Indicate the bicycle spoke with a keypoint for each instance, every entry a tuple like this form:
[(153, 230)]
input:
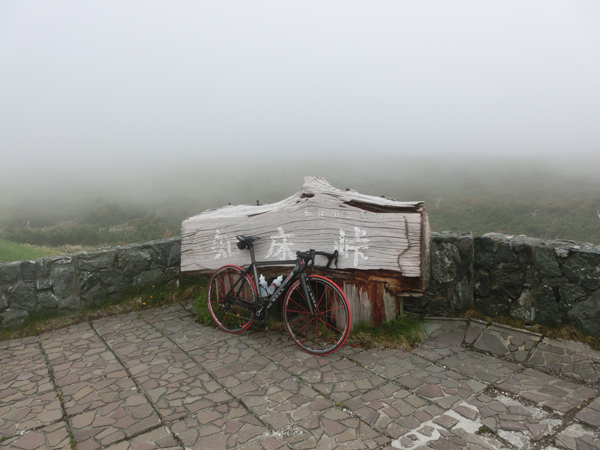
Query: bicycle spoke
[(330, 319), (298, 320), (330, 335), (232, 318), (331, 326), (300, 306), (307, 325)]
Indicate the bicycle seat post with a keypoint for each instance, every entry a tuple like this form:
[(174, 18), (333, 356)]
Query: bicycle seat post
[(253, 261)]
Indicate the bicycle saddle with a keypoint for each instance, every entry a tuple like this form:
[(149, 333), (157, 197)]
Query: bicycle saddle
[(244, 241)]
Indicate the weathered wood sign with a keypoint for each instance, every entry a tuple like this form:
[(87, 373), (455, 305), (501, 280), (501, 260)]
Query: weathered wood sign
[(378, 239)]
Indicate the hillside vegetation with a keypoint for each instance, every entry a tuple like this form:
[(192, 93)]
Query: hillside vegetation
[(482, 196)]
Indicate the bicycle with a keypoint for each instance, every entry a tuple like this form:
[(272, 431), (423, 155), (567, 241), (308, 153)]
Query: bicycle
[(315, 310)]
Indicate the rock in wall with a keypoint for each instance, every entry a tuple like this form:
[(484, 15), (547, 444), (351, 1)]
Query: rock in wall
[(451, 282), (64, 284), (551, 282)]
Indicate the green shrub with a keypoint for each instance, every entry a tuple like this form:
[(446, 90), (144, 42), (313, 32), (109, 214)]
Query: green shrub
[(200, 305)]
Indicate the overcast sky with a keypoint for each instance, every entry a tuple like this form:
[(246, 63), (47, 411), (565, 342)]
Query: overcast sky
[(93, 84)]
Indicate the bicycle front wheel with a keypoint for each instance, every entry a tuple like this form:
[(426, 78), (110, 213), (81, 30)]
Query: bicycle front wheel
[(228, 317), (327, 329)]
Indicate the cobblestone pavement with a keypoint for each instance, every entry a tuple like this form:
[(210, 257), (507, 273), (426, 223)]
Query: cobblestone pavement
[(157, 379)]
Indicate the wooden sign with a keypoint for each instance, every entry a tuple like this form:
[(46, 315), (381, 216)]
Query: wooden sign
[(382, 237)]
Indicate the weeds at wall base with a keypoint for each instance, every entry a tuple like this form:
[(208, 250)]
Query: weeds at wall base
[(402, 333), (133, 300)]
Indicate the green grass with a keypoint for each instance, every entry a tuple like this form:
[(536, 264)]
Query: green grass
[(9, 251), (402, 333)]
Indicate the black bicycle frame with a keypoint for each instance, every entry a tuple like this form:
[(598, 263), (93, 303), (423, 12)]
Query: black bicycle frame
[(267, 302)]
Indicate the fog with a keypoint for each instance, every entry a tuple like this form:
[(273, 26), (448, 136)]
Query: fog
[(148, 100)]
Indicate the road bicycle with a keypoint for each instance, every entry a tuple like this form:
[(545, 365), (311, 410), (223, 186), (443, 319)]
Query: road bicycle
[(315, 310)]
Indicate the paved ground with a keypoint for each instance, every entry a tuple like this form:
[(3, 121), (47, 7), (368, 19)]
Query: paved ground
[(159, 380)]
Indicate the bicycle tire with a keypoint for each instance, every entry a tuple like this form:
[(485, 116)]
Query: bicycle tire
[(230, 318), (328, 330)]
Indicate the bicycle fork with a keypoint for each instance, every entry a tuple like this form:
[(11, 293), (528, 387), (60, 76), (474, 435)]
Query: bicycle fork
[(308, 294)]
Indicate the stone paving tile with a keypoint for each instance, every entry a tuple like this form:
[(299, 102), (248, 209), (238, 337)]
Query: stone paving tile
[(159, 438), (286, 403), (519, 424), (515, 422), (332, 429), (23, 371), (77, 354), (11, 344), (20, 385), (507, 342), (270, 340), (125, 330), (444, 332), (482, 367), (177, 384), (401, 394), (190, 336), (169, 318), (434, 352), (287, 354), (392, 410), (96, 393), (545, 390), (577, 437), (174, 312), (21, 358), (250, 376), (150, 352), (350, 350), (28, 413), (181, 389), (449, 430), (441, 439), (567, 359), (474, 330), (222, 353), (224, 426), (341, 379), (113, 422), (390, 363), (265, 443), (51, 437), (442, 386), (590, 415)]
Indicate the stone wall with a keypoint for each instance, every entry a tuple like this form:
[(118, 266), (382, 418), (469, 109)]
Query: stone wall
[(547, 282), (65, 284)]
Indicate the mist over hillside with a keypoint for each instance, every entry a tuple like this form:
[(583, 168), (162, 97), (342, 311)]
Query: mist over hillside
[(549, 199)]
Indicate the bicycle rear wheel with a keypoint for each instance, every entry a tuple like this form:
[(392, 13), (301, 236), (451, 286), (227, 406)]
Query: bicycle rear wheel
[(228, 317), (328, 329)]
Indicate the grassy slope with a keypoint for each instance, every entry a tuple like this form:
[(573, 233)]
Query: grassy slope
[(10, 251)]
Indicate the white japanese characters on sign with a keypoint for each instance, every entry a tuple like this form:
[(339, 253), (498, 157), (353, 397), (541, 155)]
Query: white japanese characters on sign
[(280, 246), (221, 245), (345, 246)]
